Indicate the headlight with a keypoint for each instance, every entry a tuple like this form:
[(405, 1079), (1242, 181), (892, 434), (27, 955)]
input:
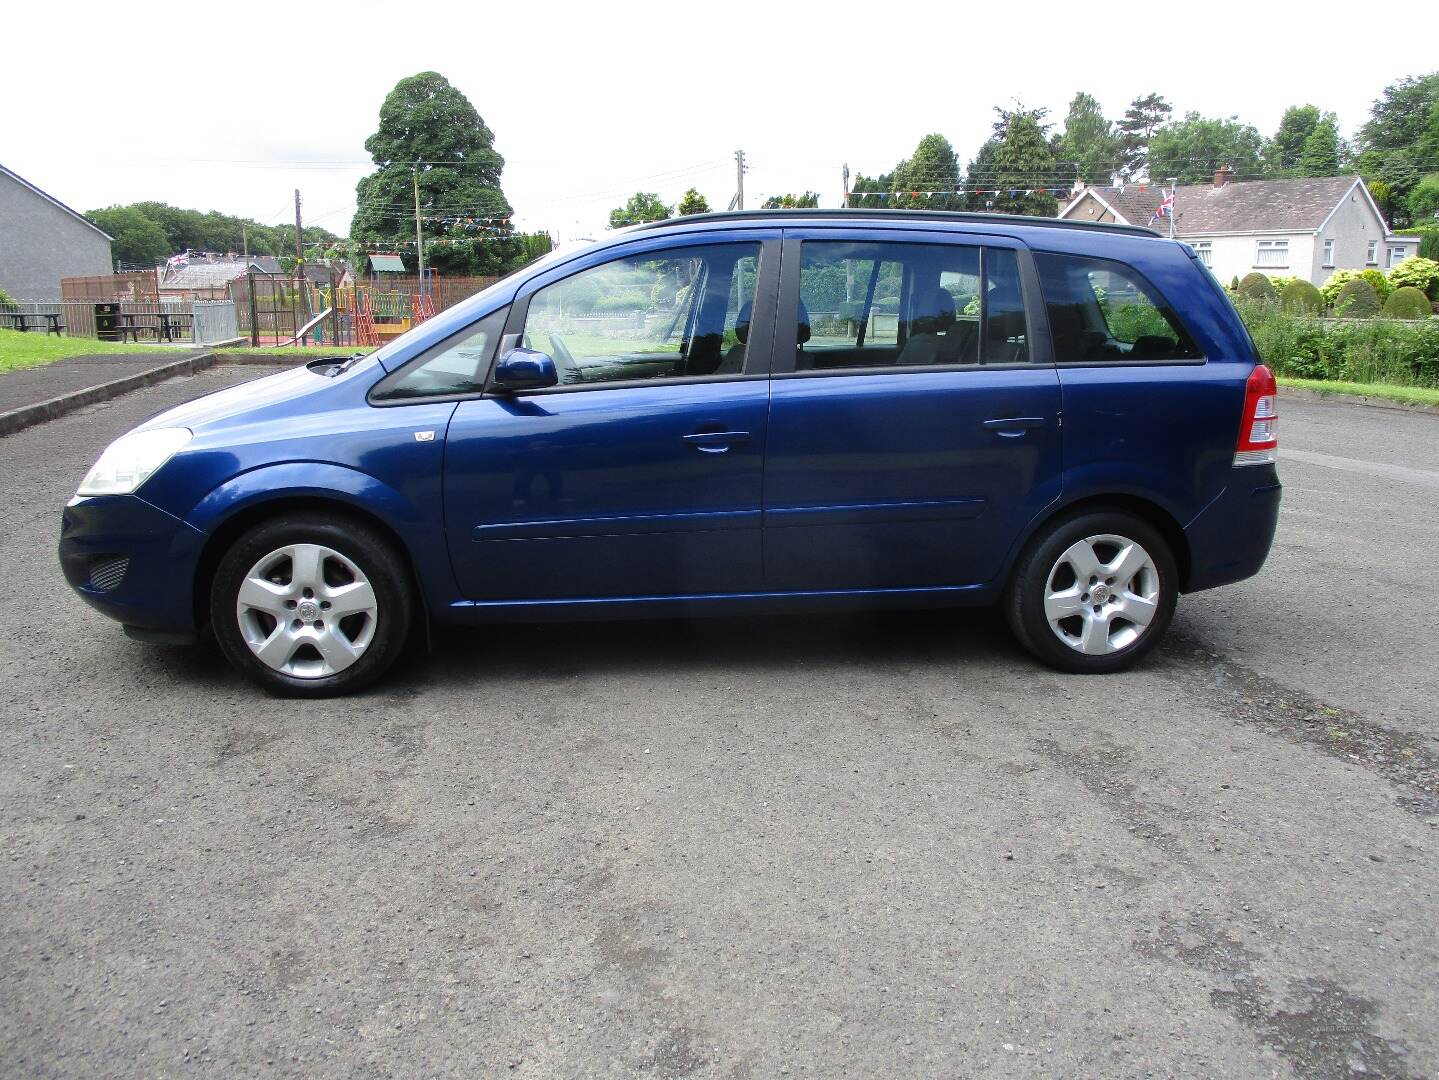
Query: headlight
[(131, 460)]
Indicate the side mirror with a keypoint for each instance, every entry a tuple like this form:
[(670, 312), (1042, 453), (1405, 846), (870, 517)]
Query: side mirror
[(525, 369)]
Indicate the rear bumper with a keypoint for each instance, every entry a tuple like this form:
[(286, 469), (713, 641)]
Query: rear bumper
[(133, 562), (1230, 538)]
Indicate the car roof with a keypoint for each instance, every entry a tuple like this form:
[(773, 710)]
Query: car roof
[(960, 221)]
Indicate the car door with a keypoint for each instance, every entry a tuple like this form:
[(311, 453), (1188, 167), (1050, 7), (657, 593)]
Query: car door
[(640, 474), (914, 426)]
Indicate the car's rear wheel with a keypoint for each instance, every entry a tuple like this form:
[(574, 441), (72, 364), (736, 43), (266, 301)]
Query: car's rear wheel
[(311, 606), (1093, 592)]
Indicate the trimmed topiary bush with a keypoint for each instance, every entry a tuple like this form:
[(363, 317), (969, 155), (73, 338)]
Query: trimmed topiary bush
[(1301, 296), (1234, 285), (1382, 286), (1357, 300), (1423, 274), (1337, 281), (1257, 286), (1407, 303)]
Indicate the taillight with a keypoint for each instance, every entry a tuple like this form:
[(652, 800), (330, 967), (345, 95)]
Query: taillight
[(1259, 430)]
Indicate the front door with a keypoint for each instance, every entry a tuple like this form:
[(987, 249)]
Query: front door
[(640, 474), (913, 432)]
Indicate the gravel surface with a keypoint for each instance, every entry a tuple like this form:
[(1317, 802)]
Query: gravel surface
[(839, 846)]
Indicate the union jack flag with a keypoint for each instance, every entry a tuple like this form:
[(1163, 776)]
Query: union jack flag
[(1165, 208)]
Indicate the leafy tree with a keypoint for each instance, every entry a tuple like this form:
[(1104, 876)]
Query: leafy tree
[(1141, 120), (1023, 161), (933, 166), (692, 203), (791, 202), (1429, 245), (139, 240), (869, 191), (431, 135), (1403, 127), (642, 206), (1423, 201), (1323, 153), (1281, 154), (1089, 142), (1195, 148)]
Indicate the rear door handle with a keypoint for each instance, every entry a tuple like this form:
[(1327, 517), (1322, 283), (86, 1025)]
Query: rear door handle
[(715, 442), (1012, 427)]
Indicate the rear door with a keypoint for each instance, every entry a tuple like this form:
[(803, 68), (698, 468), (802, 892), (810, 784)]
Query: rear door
[(640, 474), (914, 413)]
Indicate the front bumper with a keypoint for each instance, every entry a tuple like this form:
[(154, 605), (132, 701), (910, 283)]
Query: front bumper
[(133, 562), (1230, 538)]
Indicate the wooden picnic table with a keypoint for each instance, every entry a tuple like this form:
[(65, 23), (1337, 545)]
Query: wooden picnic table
[(165, 325), (20, 320)]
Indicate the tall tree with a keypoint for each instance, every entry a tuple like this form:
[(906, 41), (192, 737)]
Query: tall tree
[(791, 201), (1088, 144), (1141, 120), (1281, 154), (140, 242), (871, 191), (1195, 148), (933, 167), (642, 206), (1323, 153), (1022, 166), (692, 203), (1400, 138), (431, 135)]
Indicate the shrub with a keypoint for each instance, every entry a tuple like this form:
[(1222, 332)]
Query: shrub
[(1423, 274), (1337, 281), (1382, 285), (7, 302), (1373, 350), (1281, 282), (1357, 300), (1234, 285), (1256, 286), (1301, 296), (1429, 245), (1407, 303)]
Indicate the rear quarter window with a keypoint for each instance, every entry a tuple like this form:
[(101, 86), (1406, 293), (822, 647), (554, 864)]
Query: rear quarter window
[(1102, 311)]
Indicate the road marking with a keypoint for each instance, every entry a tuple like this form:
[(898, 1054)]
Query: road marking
[(1369, 468)]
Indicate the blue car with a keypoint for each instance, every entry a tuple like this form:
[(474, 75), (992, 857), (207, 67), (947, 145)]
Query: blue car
[(718, 414)]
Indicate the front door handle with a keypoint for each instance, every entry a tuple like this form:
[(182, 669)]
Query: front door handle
[(715, 442), (1013, 427)]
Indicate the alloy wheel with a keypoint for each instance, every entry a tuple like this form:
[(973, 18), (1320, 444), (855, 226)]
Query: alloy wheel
[(1101, 594)]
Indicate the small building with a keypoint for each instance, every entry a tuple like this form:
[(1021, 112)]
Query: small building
[(42, 240), (208, 277), (1304, 228)]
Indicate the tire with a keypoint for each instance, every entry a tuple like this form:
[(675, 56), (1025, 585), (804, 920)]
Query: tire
[(1047, 583), (325, 608)]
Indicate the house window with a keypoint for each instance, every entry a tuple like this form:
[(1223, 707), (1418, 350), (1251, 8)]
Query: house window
[(1272, 253), (1371, 257), (1205, 250), (1395, 256), (1329, 253)]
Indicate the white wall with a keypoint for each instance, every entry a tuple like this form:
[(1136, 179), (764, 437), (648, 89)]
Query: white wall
[(1233, 256), (1351, 228)]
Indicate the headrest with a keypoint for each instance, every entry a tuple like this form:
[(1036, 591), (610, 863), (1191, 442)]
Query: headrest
[(933, 312), (741, 324), (803, 323)]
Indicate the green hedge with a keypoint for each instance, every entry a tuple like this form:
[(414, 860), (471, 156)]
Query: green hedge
[(1369, 351)]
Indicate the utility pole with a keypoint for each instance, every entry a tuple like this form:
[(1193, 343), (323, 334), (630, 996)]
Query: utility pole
[(739, 179), (244, 243), (1174, 206), (299, 242), (845, 202), (419, 237)]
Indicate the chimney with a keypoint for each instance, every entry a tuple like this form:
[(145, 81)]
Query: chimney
[(1223, 176)]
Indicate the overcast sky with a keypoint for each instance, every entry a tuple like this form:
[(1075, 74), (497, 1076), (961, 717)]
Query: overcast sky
[(232, 106)]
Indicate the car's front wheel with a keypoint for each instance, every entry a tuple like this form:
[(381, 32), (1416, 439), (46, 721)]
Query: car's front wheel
[(311, 606), (1093, 592)]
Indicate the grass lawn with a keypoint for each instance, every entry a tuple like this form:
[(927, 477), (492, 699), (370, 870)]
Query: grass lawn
[(19, 350), (1405, 395)]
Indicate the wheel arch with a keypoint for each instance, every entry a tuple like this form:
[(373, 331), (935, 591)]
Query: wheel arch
[(1145, 509)]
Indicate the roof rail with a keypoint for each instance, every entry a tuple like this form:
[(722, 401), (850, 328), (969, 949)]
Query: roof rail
[(856, 214)]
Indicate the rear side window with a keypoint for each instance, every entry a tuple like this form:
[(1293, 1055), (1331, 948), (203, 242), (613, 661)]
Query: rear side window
[(1101, 310)]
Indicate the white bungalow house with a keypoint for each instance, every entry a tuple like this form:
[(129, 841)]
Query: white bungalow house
[(1293, 228)]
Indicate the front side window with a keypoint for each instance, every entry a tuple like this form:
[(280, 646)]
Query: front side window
[(1329, 253), (1100, 310), (1271, 253), (908, 305), (674, 313), (455, 366)]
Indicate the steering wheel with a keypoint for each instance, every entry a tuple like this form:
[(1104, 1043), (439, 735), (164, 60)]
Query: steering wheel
[(565, 366)]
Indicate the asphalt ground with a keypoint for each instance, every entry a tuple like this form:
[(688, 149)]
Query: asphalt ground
[(29, 386), (871, 846)]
